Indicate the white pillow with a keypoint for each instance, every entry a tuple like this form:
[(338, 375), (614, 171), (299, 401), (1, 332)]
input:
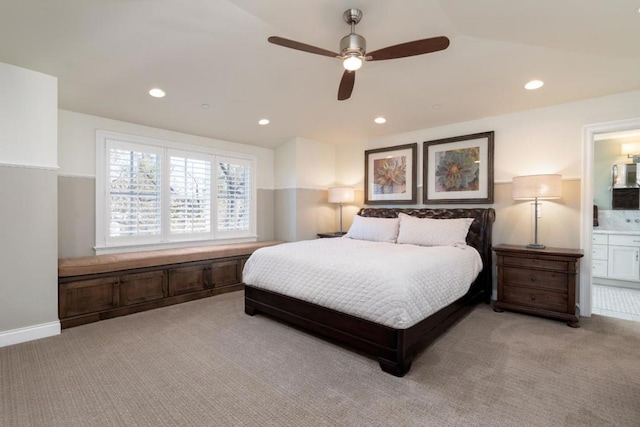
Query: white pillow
[(433, 232), (374, 229)]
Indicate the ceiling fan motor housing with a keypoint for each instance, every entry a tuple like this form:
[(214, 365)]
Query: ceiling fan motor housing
[(353, 44)]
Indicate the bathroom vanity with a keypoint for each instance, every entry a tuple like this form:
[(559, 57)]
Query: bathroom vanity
[(616, 258)]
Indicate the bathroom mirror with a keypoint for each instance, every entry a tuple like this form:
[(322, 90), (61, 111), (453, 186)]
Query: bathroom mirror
[(615, 184)]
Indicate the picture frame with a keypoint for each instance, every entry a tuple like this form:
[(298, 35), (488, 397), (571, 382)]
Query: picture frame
[(390, 175), (459, 169)]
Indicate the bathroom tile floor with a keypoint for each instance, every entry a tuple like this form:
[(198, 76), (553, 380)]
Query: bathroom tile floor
[(612, 301)]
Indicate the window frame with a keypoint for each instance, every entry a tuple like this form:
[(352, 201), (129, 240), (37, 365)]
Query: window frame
[(104, 243)]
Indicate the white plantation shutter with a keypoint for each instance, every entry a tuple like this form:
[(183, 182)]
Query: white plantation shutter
[(190, 187), (233, 194), (155, 194), (134, 199)]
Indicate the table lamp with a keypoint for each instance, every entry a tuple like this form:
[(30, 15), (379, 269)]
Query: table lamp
[(341, 195), (536, 187)]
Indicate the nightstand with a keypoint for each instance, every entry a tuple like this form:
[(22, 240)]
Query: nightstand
[(538, 281), (329, 235)]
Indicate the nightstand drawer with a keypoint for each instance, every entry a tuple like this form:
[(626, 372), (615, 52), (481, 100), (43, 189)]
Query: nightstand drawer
[(553, 301), (534, 263), (535, 278)]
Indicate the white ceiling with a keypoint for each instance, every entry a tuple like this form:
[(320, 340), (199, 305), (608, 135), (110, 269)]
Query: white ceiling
[(107, 54)]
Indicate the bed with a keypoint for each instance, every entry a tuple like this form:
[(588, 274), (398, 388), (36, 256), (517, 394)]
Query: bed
[(321, 302)]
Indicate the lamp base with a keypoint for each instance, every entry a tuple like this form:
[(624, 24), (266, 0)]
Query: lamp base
[(535, 246)]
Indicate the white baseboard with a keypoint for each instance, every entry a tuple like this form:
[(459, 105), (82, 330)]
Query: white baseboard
[(30, 333)]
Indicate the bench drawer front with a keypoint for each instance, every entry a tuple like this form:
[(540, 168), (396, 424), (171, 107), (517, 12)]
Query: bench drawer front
[(183, 280), (226, 273), (142, 287), (88, 296)]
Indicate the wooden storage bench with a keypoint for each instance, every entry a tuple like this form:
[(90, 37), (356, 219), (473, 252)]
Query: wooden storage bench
[(105, 286)]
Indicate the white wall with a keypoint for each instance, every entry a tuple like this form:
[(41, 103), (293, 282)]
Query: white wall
[(305, 169), (303, 163), (28, 220), (77, 144), (315, 164), (27, 117), (528, 142)]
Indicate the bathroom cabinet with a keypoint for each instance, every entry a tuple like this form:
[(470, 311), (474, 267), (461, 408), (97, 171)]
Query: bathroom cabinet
[(616, 257)]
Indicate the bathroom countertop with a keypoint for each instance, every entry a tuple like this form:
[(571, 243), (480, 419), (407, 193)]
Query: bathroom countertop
[(625, 232)]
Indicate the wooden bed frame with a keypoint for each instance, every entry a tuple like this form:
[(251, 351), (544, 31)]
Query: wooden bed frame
[(393, 348)]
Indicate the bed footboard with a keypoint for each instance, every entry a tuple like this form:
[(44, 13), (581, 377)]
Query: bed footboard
[(394, 349)]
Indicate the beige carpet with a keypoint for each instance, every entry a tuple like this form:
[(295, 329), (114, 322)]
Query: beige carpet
[(206, 363)]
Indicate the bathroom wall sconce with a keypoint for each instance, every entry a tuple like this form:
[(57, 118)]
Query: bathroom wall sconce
[(631, 150)]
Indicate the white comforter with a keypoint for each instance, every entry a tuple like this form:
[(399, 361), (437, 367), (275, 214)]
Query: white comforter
[(391, 284)]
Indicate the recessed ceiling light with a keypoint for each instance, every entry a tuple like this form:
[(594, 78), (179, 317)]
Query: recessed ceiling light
[(380, 120), (436, 106), (534, 84), (157, 93), (204, 106), (263, 122)]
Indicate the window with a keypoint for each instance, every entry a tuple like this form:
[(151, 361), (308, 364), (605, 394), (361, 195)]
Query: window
[(156, 193), (234, 200), (190, 192), (135, 194)]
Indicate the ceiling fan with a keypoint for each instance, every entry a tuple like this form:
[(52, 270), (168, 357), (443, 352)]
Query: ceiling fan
[(353, 51)]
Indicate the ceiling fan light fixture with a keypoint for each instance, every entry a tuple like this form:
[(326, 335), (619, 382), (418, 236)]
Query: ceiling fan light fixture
[(352, 62)]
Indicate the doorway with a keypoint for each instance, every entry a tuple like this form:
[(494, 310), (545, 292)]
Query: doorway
[(599, 295)]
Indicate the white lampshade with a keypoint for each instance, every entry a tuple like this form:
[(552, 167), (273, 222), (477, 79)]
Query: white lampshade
[(537, 186), (341, 195)]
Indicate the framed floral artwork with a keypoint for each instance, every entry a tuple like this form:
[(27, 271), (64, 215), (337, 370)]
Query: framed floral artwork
[(459, 169), (390, 175)]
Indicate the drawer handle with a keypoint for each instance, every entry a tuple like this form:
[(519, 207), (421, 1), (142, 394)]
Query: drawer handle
[(533, 297), (533, 278)]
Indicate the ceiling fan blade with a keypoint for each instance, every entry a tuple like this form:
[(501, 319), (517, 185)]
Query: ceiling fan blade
[(301, 46), (416, 47), (346, 85)]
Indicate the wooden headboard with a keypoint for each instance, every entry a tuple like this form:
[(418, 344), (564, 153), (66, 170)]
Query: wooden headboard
[(479, 235)]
